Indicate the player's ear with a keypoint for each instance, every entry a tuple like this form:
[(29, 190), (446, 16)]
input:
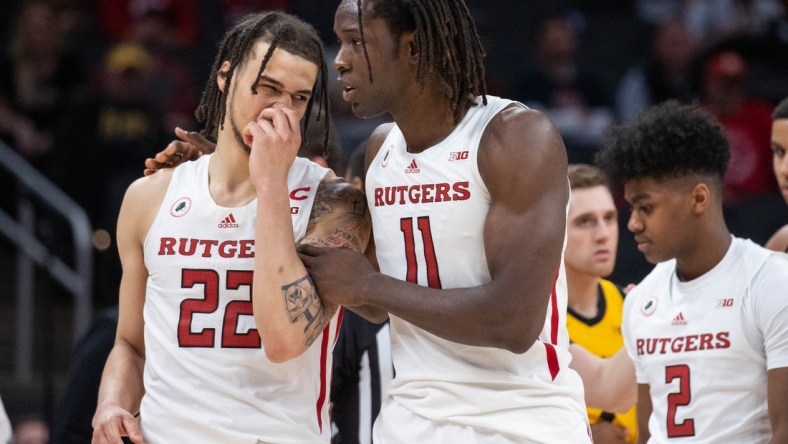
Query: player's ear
[(410, 42), (221, 76), (701, 197)]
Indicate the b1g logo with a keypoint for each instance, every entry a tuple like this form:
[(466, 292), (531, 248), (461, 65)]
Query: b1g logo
[(725, 303), (649, 307), (458, 155)]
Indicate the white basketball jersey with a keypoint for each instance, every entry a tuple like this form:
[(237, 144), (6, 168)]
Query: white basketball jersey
[(704, 346), (207, 379), (428, 212)]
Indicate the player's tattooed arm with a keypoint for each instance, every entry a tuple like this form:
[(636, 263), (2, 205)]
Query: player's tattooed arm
[(339, 217), (303, 305)]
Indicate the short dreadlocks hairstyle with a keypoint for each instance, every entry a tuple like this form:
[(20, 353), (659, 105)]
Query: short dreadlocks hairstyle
[(450, 49), (280, 30), (781, 110), (667, 141)]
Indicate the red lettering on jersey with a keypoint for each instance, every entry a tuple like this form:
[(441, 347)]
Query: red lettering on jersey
[(705, 341), (691, 346), (461, 191), (295, 210), (169, 246), (664, 342), (722, 340), (208, 244), (426, 192), (245, 249), (401, 193), (300, 193), (182, 247), (165, 246), (442, 192), (680, 344), (228, 249), (378, 197), (414, 193)]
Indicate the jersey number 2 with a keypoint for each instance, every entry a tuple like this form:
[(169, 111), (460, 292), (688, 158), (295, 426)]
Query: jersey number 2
[(209, 279), (675, 400), (423, 223)]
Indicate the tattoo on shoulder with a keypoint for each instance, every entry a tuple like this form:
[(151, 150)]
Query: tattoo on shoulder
[(303, 304), (338, 196), (350, 225)]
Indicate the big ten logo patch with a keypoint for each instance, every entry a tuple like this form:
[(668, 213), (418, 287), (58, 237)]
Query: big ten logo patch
[(458, 155)]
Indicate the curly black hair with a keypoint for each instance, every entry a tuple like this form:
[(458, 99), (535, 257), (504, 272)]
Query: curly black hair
[(781, 110), (670, 140)]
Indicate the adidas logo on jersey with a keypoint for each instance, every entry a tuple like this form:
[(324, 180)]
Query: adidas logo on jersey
[(228, 222), (412, 168), (679, 319)]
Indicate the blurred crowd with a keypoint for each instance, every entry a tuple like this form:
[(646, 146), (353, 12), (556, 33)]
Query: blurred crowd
[(90, 88)]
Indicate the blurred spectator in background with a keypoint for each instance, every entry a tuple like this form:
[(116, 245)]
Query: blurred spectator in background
[(168, 30), (233, 10), (753, 209), (573, 97), (747, 123), (103, 141), (122, 20), (779, 240), (38, 78), (666, 73)]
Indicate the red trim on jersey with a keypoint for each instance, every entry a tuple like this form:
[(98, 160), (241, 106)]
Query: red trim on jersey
[(340, 315), (552, 356), (321, 399), (552, 360)]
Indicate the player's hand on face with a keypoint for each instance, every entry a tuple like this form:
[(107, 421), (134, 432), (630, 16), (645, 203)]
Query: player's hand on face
[(111, 423), (275, 139), (191, 146), (337, 273), (608, 433)]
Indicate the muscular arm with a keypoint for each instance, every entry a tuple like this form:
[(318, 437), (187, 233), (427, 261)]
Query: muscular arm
[(288, 311), (523, 163), (609, 383), (121, 387), (778, 404)]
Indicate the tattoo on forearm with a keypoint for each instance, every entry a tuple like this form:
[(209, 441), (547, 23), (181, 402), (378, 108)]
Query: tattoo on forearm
[(303, 303)]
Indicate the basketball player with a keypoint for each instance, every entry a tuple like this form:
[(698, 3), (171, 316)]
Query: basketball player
[(779, 241), (595, 304), (468, 197), (222, 337), (707, 329)]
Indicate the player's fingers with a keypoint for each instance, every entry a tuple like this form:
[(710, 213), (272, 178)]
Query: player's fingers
[(308, 250), (133, 429), (200, 143)]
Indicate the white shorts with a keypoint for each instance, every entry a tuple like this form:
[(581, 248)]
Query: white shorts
[(398, 425)]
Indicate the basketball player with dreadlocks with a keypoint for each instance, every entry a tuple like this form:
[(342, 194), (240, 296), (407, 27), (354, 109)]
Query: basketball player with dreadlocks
[(468, 196), (222, 337)]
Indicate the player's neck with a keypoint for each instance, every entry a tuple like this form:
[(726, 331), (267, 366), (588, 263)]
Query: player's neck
[(228, 174), (425, 119), (582, 293), (704, 254)]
